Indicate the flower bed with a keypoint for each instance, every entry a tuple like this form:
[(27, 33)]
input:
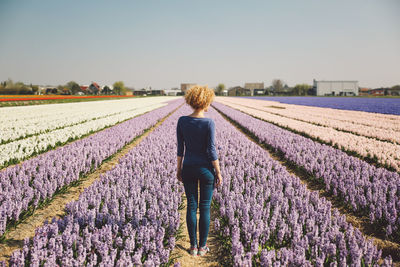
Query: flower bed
[(28, 185), (369, 104), (21, 122), (366, 189), (269, 218), (66, 128), (128, 217), (6, 98), (384, 153), (378, 126)]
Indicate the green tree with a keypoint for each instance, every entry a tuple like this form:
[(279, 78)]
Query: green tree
[(301, 89), (220, 89), (35, 89), (19, 88), (9, 83), (119, 88), (3, 90), (277, 85), (106, 90), (73, 87), (395, 90)]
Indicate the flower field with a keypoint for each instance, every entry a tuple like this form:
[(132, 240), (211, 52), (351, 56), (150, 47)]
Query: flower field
[(130, 216), (373, 104), (31, 130), (26, 186), (378, 126), (263, 214), (269, 217), (383, 152), (363, 187), (7, 98), (21, 122)]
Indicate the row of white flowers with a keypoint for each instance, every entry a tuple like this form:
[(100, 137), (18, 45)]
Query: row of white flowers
[(380, 126), (21, 149), (24, 121), (384, 152)]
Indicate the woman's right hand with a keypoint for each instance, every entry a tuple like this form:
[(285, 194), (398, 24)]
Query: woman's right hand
[(218, 176), (218, 180)]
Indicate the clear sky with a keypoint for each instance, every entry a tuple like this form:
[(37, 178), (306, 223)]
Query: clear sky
[(164, 43)]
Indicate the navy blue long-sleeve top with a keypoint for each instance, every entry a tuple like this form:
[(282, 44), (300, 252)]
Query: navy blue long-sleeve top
[(196, 137)]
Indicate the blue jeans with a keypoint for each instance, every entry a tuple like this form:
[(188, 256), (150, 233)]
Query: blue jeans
[(191, 175)]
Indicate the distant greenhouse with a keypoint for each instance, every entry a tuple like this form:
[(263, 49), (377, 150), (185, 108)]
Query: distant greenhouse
[(336, 88)]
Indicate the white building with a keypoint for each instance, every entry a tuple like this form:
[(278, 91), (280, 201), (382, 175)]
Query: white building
[(336, 88), (172, 91)]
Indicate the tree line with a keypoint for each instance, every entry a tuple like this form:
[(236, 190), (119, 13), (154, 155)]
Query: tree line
[(17, 88), (9, 87)]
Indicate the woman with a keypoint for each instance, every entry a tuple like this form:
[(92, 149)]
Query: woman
[(195, 135)]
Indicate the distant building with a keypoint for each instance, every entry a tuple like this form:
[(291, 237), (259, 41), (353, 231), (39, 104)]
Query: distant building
[(285, 90), (377, 92), (186, 86), (47, 90), (146, 92), (172, 92), (364, 91), (336, 88), (107, 90), (395, 90), (255, 88), (84, 88), (239, 91), (142, 92), (94, 88), (157, 92)]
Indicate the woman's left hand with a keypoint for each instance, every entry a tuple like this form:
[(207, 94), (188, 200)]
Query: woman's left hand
[(179, 175)]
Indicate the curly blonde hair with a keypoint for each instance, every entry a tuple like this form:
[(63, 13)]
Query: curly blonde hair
[(199, 97)]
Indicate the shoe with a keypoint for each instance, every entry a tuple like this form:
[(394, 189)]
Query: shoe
[(193, 251), (203, 250)]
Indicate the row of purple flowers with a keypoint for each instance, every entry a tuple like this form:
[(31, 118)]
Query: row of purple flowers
[(377, 105), (364, 188), (26, 186), (130, 216), (267, 217)]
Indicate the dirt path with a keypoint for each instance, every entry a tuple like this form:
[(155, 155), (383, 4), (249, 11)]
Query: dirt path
[(15, 237), (369, 232), (182, 246)]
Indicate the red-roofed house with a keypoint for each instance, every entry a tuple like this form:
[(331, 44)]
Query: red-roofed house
[(94, 88), (364, 91), (84, 88)]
